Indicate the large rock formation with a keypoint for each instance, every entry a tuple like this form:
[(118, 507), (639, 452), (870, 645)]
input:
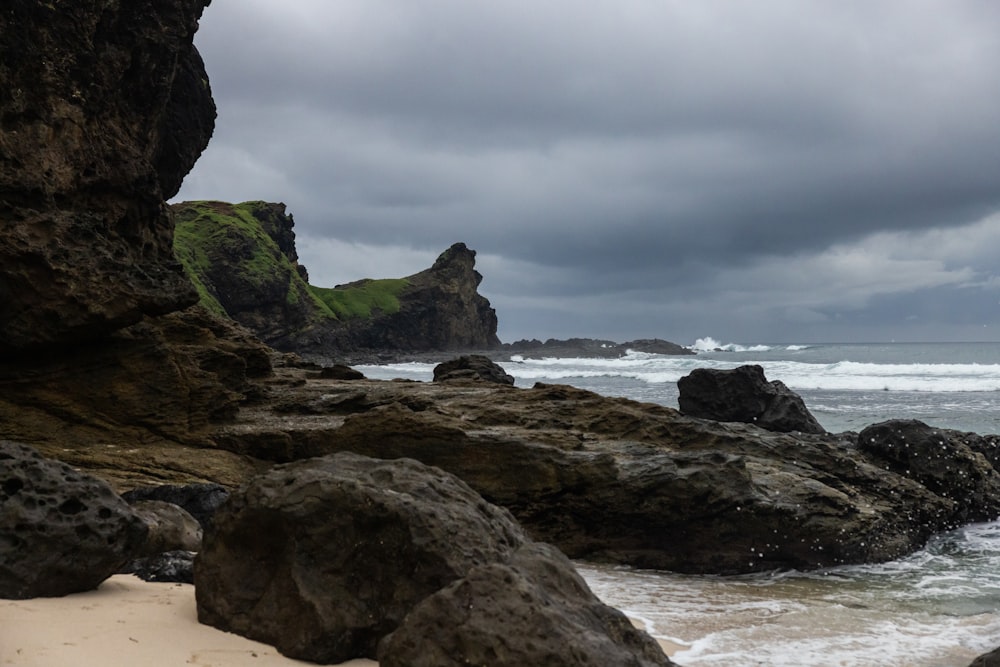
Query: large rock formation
[(616, 480), (106, 108), (242, 258), (324, 558)]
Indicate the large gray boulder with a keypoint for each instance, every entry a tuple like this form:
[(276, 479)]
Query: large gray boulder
[(743, 394), (61, 531), (323, 558)]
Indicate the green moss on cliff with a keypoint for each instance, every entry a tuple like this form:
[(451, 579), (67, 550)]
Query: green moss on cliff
[(363, 298), (210, 235)]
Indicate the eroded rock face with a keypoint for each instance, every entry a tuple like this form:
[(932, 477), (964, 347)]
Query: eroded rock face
[(322, 558), (106, 108), (531, 610), (744, 395), (570, 465), (61, 531)]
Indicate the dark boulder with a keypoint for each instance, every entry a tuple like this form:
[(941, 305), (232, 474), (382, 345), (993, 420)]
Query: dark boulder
[(324, 558), (744, 395), (941, 460), (531, 610), (200, 500), (61, 531), (472, 367)]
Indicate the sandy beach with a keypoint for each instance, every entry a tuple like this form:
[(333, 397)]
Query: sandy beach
[(128, 621)]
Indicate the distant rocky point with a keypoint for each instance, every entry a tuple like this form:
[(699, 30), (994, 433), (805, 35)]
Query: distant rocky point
[(243, 261), (590, 348)]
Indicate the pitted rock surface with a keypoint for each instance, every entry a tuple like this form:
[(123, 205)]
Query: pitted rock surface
[(61, 531)]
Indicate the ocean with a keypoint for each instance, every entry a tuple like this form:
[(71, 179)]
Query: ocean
[(939, 607)]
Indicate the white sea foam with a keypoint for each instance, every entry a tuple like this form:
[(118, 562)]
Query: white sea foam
[(709, 344)]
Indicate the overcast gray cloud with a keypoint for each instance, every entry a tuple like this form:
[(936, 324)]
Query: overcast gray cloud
[(756, 172)]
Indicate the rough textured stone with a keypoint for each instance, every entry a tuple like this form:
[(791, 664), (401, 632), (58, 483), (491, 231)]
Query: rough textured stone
[(107, 107), (170, 527), (744, 395), (531, 610), (942, 461), (472, 367), (61, 531), (322, 558), (570, 465)]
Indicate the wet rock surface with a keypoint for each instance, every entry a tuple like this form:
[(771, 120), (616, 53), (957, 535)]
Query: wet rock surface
[(61, 531)]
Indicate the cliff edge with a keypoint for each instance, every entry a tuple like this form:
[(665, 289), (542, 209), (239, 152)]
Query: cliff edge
[(242, 259)]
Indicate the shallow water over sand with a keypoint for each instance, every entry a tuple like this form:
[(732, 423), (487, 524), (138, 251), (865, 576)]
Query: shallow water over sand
[(936, 608)]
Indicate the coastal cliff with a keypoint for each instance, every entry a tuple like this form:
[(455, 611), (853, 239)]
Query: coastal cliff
[(242, 259), (106, 108)]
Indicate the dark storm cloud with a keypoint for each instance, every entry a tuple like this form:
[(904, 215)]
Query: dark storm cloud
[(676, 159)]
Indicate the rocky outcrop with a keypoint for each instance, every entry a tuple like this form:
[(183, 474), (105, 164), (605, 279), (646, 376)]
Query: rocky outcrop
[(106, 108), (161, 382), (616, 480), (242, 257), (61, 531), (472, 367), (590, 347), (942, 461), (743, 394), (324, 558)]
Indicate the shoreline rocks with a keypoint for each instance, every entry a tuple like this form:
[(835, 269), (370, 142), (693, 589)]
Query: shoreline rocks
[(326, 558)]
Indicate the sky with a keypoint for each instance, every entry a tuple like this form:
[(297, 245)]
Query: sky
[(789, 171)]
